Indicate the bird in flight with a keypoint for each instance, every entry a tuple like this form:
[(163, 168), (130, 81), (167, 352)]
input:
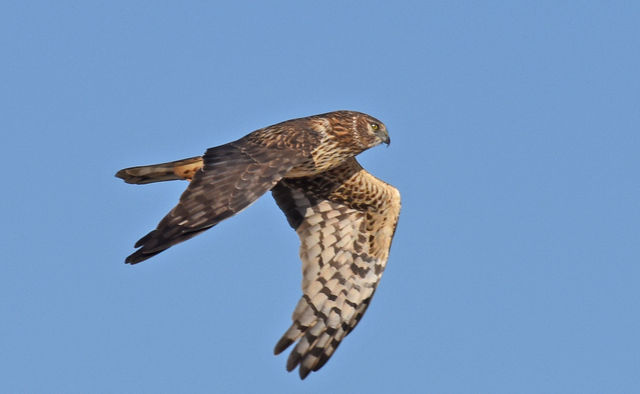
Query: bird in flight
[(345, 217)]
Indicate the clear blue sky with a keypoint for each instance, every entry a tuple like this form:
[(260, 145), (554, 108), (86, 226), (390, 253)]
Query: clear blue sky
[(516, 142)]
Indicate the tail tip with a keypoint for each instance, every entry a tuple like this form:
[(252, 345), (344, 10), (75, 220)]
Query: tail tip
[(126, 176)]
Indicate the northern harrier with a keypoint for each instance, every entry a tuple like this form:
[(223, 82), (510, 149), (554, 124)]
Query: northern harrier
[(344, 216)]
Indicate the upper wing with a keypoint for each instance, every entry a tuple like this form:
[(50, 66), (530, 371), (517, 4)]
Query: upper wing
[(345, 219), (234, 175)]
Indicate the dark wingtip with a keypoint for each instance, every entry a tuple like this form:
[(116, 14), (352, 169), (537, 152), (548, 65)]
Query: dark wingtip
[(304, 372), (140, 255), (144, 239), (282, 344), (135, 258), (293, 360)]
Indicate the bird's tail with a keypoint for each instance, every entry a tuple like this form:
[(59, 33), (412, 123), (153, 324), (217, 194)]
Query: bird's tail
[(174, 170)]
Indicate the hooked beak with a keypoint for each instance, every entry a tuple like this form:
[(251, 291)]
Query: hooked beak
[(384, 136)]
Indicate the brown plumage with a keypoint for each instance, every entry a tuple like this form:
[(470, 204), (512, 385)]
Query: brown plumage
[(344, 216)]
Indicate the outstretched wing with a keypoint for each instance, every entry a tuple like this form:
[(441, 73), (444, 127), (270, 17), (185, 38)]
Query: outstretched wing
[(345, 219), (234, 175)]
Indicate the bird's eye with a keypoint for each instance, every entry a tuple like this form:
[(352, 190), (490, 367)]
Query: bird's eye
[(375, 126)]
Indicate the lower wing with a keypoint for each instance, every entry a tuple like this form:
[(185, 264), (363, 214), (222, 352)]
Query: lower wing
[(346, 219)]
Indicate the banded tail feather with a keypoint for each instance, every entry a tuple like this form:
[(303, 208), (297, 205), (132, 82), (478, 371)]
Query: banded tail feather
[(171, 171)]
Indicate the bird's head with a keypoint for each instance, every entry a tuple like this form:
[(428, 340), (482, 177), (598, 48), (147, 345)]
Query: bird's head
[(358, 129), (374, 131)]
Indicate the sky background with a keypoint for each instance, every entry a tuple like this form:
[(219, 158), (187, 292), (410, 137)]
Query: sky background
[(516, 139)]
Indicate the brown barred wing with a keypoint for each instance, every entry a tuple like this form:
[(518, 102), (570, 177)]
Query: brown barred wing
[(345, 219), (234, 176)]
